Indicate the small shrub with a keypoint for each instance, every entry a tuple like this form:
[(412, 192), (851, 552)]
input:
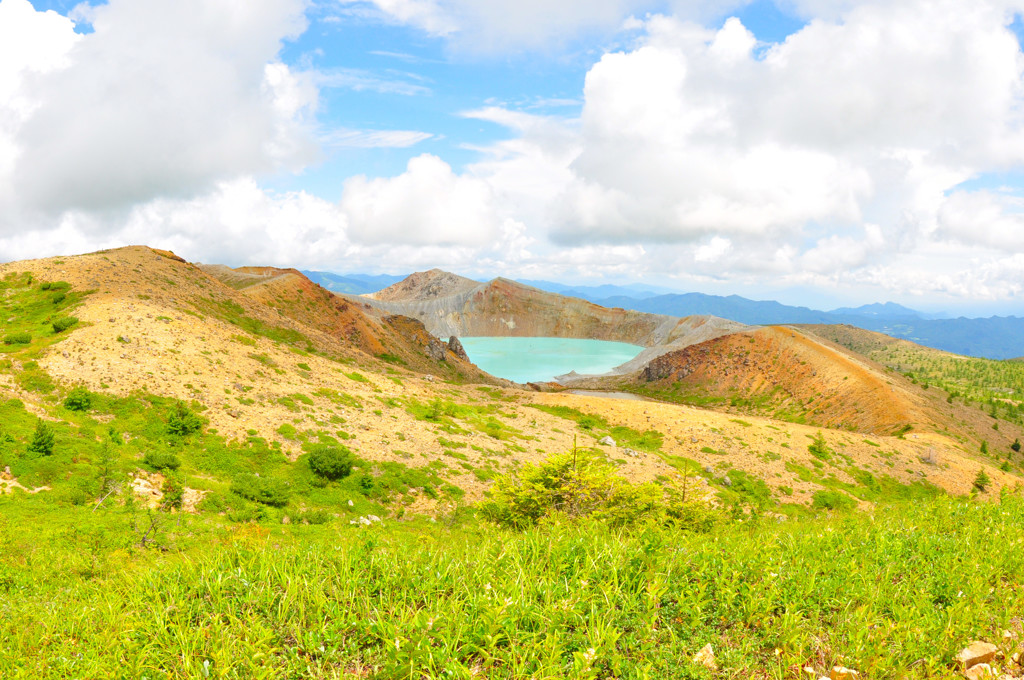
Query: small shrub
[(819, 449), (982, 481), (1015, 446), (182, 421), (161, 460), (832, 500), (78, 399), (58, 298), (331, 462), (315, 517), (64, 323), (43, 440), (261, 490), (174, 494), (17, 338)]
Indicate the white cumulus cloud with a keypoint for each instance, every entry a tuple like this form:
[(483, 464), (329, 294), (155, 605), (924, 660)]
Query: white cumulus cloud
[(427, 204), (164, 97)]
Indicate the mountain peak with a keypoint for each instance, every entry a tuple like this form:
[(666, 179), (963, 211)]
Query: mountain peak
[(428, 285)]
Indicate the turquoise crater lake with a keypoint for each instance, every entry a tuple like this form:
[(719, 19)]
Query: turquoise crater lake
[(541, 359)]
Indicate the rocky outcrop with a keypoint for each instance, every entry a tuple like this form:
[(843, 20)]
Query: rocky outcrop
[(456, 348)]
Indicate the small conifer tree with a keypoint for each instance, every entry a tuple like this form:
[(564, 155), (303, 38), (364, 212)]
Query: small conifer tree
[(43, 440)]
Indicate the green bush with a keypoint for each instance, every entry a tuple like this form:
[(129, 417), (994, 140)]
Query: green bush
[(573, 486), (17, 338), (43, 440), (182, 421), (331, 462), (268, 491), (833, 500), (161, 460), (65, 322), (982, 481), (78, 399)]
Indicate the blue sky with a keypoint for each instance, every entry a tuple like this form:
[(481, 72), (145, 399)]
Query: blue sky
[(820, 152)]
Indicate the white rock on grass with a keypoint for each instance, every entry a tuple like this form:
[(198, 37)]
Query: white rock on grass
[(606, 441), (706, 657)]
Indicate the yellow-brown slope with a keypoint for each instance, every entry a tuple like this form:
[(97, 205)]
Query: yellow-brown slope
[(398, 339), (780, 371)]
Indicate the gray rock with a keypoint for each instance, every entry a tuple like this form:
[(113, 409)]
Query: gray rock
[(606, 441), (373, 518), (726, 481), (456, 348)]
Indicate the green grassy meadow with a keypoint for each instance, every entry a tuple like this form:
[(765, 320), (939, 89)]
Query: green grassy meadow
[(892, 594)]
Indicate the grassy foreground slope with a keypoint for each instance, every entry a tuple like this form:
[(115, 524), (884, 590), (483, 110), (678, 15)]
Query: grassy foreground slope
[(892, 594)]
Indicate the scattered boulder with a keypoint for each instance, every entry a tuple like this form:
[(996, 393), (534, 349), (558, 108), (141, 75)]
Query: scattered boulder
[(606, 441), (976, 653), (706, 657), (6, 474), (979, 672), (726, 481)]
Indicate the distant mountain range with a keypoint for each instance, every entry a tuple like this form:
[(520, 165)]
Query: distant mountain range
[(995, 337), (352, 284)]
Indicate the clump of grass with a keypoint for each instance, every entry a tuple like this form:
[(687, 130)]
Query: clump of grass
[(831, 499)]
